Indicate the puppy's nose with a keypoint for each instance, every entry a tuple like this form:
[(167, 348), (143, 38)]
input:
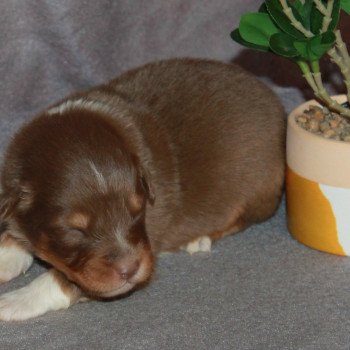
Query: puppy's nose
[(127, 268)]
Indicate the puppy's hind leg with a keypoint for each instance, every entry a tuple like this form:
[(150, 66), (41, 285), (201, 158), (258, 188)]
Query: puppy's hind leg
[(201, 244), (14, 259), (204, 243)]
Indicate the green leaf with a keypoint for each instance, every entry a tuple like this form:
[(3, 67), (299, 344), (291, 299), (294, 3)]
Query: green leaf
[(304, 11), (345, 6), (276, 12), (298, 6), (283, 45), (314, 48), (316, 20), (335, 15), (236, 36), (320, 44), (304, 50), (257, 28)]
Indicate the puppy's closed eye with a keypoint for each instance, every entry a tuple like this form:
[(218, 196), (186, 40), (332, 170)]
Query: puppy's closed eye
[(74, 237)]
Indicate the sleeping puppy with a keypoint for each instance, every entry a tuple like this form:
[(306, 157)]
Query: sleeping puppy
[(171, 155)]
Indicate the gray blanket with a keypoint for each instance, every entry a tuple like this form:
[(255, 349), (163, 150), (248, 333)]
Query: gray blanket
[(259, 289)]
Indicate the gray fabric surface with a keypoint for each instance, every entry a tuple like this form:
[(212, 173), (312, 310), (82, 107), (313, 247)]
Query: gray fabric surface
[(259, 289)]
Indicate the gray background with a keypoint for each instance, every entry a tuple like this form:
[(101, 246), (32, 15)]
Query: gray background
[(259, 289)]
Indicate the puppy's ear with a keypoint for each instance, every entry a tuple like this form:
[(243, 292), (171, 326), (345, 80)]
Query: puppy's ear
[(146, 184)]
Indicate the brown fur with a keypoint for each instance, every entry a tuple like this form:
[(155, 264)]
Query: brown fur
[(179, 149)]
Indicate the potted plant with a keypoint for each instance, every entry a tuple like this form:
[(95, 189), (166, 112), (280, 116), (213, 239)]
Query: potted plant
[(318, 158)]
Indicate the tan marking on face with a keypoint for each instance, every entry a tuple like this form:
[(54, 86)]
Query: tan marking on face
[(135, 202), (79, 220), (145, 272)]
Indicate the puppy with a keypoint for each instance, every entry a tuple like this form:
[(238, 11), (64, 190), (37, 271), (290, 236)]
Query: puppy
[(173, 154)]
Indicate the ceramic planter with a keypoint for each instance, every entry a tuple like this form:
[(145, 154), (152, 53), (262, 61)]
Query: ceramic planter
[(318, 188)]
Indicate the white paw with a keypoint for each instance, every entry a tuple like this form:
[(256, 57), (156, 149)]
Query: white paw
[(17, 306), (201, 244), (42, 295), (13, 261)]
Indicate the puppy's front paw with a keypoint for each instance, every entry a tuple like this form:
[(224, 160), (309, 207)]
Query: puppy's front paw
[(42, 295), (13, 261), (17, 306), (201, 244)]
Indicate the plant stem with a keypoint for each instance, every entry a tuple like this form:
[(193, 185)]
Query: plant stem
[(345, 70), (342, 48), (315, 66), (320, 7), (324, 96), (314, 79), (339, 55), (303, 65), (327, 19), (295, 23)]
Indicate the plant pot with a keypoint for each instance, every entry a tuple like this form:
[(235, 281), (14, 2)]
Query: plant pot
[(318, 188)]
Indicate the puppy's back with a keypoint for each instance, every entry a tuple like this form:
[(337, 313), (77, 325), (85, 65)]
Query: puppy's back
[(217, 137)]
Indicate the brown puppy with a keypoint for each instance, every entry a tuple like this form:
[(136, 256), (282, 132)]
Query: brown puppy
[(169, 155)]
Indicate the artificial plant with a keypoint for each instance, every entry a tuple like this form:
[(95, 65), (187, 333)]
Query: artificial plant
[(302, 31)]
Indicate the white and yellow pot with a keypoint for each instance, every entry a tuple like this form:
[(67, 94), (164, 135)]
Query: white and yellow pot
[(318, 188)]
